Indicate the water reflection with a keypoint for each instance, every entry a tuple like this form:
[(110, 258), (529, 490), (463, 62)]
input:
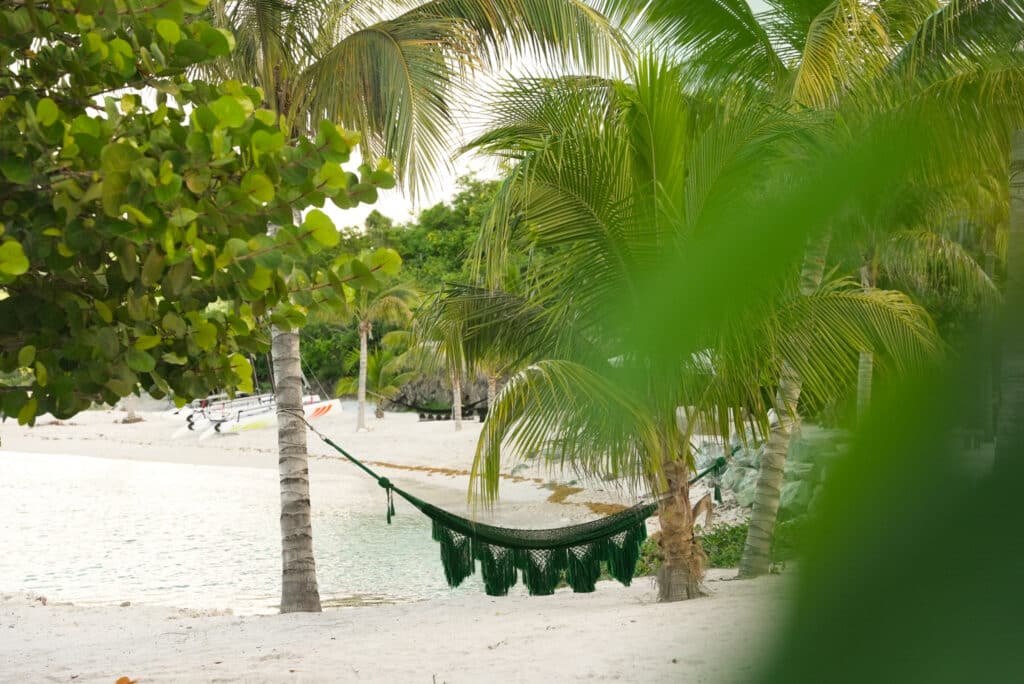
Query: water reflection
[(92, 530)]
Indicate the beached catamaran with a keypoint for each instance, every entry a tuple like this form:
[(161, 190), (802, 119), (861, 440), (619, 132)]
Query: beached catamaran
[(220, 414)]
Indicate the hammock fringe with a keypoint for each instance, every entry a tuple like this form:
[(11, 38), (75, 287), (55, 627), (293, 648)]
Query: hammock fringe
[(542, 569)]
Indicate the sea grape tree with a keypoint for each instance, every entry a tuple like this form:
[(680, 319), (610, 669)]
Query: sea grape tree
[(135, 204)]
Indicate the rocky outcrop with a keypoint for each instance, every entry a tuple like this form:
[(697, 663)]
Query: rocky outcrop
[(433, 390), (811, 452)]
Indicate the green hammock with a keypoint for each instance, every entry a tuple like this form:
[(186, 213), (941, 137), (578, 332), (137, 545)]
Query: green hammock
[(543, 556)]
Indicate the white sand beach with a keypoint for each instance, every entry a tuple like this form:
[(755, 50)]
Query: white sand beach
[(54, 631)]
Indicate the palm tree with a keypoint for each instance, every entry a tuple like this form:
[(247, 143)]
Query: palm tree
[(608, 177), (854, 59), (385, 375), (369, 307), (388, 70)]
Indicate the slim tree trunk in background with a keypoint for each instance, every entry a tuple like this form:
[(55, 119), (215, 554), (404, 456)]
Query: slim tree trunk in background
[(299, 591), (757, 553), (1010, 426), (492, 390), (990, 362), (866, 362), (364, 333), (457, 400)]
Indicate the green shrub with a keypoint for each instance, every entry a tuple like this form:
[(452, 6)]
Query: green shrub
[(724, 546)]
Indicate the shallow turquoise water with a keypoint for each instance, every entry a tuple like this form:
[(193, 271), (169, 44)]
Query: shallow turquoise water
[(93, 530)]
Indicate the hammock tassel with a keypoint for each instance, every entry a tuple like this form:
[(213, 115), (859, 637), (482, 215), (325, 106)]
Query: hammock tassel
[(388, 487)]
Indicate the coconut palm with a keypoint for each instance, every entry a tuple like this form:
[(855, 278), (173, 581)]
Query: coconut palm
[(608, 178), (388, 70), (368, 307), (855, 59), (385, 375)]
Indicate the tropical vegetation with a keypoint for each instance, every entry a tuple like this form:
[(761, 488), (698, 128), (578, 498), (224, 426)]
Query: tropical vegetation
[(711, 221)]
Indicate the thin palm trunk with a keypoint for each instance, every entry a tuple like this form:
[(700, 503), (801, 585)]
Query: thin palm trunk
[(757, 551), (1010, 428), (457, 400), (492, 390), (866, 362), (299, 590), (989, 364), (364, 333), (682, 566)]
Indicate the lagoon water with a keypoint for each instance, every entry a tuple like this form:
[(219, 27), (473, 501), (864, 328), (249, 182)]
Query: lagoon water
[(95, 530)]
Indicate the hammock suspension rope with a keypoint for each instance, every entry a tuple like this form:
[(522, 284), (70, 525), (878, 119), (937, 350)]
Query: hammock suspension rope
[(541, 556)]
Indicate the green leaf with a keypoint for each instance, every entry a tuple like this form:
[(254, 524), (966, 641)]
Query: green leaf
[(205, 335), (243, 369), (42, 376), (139, 360), (218, 42), (322, 228), (152, 268), (174, 324), (103, 310), (26, 355), (118, 158), (168, 30), (175, 359), (13, 261), (47, 111), (386, 260), (28, 412), (258, 186), (182, 216), (15, 169), (197, 180), (147, 342), (266, 142), (136, 215), (231, 111), (331, 175)]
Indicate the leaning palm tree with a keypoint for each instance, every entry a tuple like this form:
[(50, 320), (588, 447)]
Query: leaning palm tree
[(390, 71), (610, 177)]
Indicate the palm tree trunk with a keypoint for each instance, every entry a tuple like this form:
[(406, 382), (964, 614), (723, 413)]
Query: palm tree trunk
[(299, 591), (757, 552), (1010, 426), (866, 362), (492, 390), (682, 565), (457, 400), (364, 333)]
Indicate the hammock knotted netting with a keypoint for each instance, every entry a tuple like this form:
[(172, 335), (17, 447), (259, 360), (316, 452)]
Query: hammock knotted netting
[(543, 557)]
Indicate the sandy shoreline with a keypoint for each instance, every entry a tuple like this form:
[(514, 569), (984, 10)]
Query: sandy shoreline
[(616, 633)]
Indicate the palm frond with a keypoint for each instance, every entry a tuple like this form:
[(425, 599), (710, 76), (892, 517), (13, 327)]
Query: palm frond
[(922, 260), (392, 82), (569, 415)]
